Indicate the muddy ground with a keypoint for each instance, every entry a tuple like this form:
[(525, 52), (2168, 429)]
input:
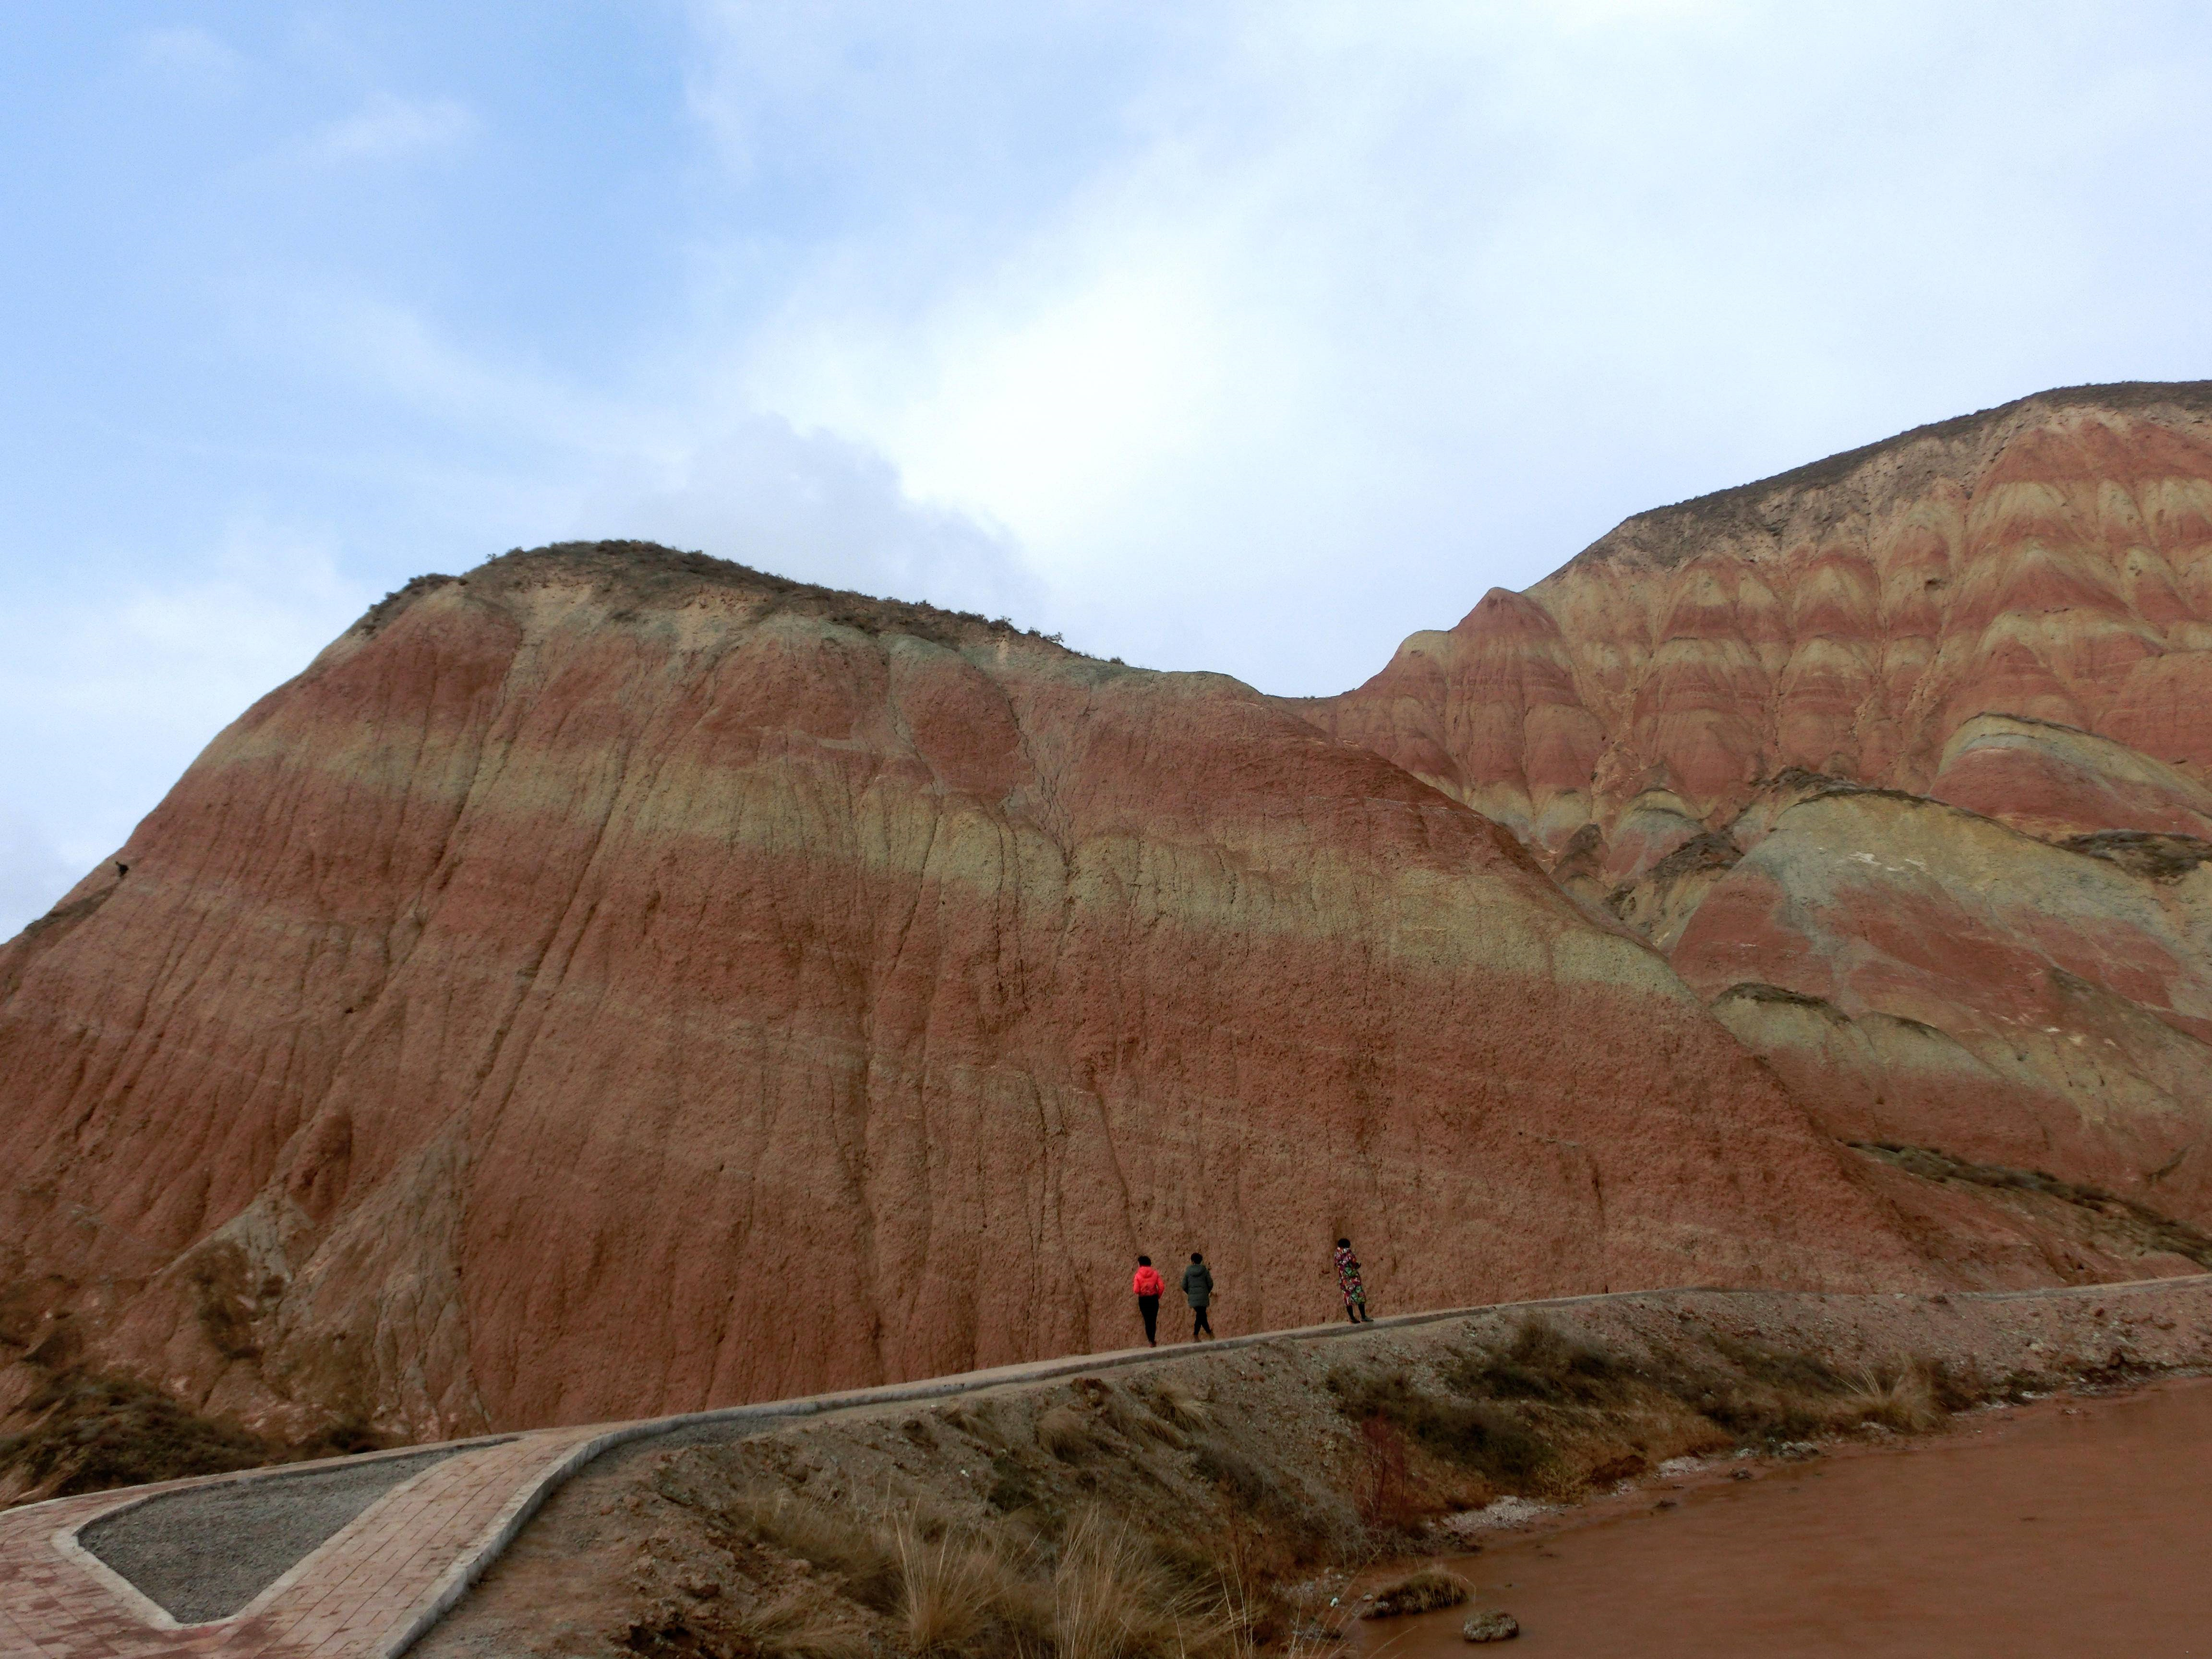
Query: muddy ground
[(1230, 1501), (2073, 1525)]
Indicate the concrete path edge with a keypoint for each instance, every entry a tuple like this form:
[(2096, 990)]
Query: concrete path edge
[(484, 1524), (525, 1504)]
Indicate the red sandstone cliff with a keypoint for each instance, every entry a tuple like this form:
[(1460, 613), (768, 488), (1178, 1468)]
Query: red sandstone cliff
[(2010, 614), (2046, 560), (615, 983)]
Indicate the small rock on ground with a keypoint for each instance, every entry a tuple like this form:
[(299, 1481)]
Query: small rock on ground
[(1491, 1627)]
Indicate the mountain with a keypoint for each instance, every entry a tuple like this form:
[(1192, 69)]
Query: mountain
[(1902, 758), (616, 982)]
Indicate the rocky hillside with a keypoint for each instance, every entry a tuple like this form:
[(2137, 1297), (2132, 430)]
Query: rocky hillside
[(615, 982), (1902, 758)]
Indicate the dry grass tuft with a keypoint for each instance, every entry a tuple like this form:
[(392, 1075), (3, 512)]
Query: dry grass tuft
[(975, 1424), (950, 1588), (1900, 1397), (823, 1534), (1112, 1600), (1119, 1414), (1423, 1591), (1179, 1405), (1494, 1438), (1065, 1432), (797, 1625), (1157, 1428)]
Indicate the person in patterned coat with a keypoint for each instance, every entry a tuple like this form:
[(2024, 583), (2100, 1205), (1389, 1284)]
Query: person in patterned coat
[(1348, 1280)]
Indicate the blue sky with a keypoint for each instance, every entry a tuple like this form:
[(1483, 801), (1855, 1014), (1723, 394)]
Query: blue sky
[(1240, 337)]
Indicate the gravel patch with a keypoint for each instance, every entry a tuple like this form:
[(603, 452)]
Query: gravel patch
[(204, 1552)]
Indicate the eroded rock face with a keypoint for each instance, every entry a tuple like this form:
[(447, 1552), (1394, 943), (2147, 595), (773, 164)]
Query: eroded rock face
[(614, 982), (1745, 726), (1938, 979), (2055, 781), (2049, 561)]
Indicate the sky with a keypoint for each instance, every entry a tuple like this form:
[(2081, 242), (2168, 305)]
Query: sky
[(1242, 337)]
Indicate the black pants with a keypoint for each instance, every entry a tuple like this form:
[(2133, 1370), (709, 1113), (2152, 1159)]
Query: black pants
[(1149, 1307), (1200, 1322)]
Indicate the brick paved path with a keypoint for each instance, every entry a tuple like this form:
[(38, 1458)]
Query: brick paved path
[(385, 1579), (366, 1594)]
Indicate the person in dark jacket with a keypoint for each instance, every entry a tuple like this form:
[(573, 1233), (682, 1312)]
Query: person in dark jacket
[(1198, 1291), (1147, 1284)]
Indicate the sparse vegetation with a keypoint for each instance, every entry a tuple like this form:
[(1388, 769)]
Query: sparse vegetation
[(823, 1534), (1066, 1433), (1175, 1401), (94, 1430), (1546, 1415), (1011, 1487), (637, 576), (2161, 858), (1543, 1363), (1102, 1590), (798, 1625), (1904, 1397), (1114, 1521), (950, 1588), (88, 1430), (1474, 1434), (1118, 1413), (1421, 1591), (1112, 1598), (1225, 1506)]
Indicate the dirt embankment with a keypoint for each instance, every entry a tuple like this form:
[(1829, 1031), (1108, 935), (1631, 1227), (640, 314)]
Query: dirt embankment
[(71, 1428), (1220, 1502)]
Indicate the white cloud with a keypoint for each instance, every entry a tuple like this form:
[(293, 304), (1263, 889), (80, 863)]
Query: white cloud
[(394, 352), (1364, 311), (681, 462), (390, 128), (1248, 336), (109, 695), (814, 506), (187, 54), (33, 872)]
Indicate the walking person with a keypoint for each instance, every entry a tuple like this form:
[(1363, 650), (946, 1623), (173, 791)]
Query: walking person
[(1348, 1280), (1147, 1285), (1198, 1291)]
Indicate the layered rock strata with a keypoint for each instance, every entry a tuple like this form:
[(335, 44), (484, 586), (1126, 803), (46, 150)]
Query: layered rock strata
[(616, 982), (2050, 561), (1928, 976), (1902, 757)]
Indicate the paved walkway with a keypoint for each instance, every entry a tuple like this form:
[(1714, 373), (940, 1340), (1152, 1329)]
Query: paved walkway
[(370, 1590), (379, 1584)]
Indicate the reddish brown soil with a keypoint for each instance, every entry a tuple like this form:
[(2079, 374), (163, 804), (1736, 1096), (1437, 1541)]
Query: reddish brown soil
[(2068, 1527)]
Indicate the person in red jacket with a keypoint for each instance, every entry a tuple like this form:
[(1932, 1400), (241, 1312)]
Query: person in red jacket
[(1147, 1285)]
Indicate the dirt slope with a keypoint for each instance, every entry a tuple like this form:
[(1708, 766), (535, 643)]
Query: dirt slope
[(614, 982)]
